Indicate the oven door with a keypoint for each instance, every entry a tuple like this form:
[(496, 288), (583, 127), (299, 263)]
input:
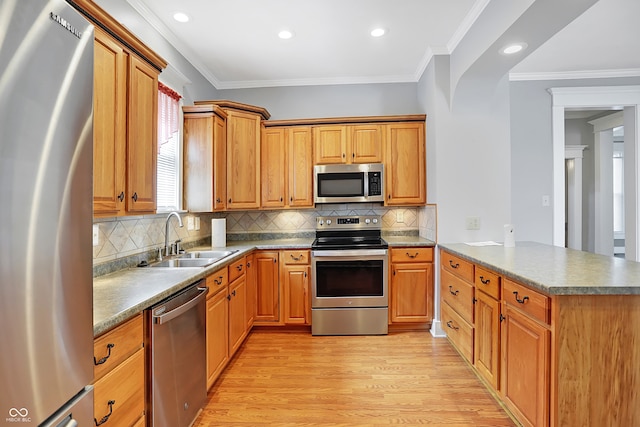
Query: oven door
[(349, 278)]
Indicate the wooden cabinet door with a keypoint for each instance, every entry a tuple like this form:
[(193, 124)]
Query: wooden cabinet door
[(251, 290), (267, 287), (109, 125), (525, 367), (404, 163), (198, 157), (272, 167), (296, 294), (365, 142), (300, 159), (487, 338), (243, 160), (330, 144), (412, 292), (237, 316), (219, 164), (217, 335), (142, 129)]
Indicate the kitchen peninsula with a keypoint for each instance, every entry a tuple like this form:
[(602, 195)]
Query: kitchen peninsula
[(553, 332)]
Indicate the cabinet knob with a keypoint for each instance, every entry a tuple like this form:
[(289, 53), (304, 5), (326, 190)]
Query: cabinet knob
[(121, 196), (344, 155), (281, 199), (229, 200), (135, 197), (218, 200)]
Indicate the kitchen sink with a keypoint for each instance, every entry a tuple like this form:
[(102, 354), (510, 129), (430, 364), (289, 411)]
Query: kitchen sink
[(195, 259), (185, 262), (217, 255)]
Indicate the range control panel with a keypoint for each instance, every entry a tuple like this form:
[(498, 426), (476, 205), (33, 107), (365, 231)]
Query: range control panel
[(355, 222)]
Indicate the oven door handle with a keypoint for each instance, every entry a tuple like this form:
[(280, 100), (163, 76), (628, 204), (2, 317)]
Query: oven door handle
[(343, 253)]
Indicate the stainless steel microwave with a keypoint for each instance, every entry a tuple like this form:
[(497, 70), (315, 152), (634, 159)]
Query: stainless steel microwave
[(349, 183)]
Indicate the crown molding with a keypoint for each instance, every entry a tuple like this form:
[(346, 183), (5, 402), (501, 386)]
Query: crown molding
[(466, 24), (575, 75)]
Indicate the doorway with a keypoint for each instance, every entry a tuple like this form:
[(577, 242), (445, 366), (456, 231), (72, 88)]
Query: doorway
[(627, 97)]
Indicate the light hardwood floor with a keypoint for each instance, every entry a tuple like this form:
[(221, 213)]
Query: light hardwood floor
[(295, 379)]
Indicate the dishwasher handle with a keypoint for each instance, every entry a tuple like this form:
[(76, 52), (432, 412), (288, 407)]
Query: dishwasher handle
[(170, 315)]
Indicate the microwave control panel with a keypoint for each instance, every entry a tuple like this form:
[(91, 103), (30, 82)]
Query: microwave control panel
[(375, 184)]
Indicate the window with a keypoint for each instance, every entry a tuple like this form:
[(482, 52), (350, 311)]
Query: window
[(169, 149)]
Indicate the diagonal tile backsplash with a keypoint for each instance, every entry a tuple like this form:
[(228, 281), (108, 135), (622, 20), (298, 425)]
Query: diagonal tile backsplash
[(126, 236)]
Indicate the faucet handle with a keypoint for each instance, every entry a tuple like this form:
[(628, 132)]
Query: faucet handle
[(177, 246), (160, 253)]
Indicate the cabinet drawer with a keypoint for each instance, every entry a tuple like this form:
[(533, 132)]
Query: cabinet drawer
[(458, 294), (457, 266), (531, 302), (411, 254), (217, 281), (459, 332), (487, 282), (301, 257), (124, 387), (116, 345), (237, 269)]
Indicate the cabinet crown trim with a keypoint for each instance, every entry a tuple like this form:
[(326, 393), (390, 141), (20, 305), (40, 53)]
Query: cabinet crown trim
[(224, 103), (347, 120)]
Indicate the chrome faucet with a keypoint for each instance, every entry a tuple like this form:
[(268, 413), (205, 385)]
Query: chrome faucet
[(167, 248)]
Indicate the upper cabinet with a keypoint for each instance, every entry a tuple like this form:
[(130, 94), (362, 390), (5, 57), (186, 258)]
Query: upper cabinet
[(405, 164), (286, 167), (243, 129), (205, 158), (125, 118), (335, 144)]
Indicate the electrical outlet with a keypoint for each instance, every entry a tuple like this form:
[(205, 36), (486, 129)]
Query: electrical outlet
[(546, 201), (399, 215), (96, 234), (190, 223), (197, 223), (473, 223)]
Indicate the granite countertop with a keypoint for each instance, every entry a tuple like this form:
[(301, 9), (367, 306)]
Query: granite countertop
[(555, 270), (121, 295)]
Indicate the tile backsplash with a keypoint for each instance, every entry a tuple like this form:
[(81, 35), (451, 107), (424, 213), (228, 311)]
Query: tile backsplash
[(123, 237)]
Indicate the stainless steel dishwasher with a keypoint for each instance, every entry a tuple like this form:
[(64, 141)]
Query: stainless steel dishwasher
[(178, 357)]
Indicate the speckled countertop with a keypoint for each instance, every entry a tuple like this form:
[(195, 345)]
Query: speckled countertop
[(555, 270), (121, 295)]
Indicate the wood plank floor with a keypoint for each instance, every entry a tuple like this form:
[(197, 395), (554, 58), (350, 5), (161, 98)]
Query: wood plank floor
[(295, 379)]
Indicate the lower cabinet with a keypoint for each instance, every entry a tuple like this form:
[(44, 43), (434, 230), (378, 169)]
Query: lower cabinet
[(267, 288), (217, 325), (295, 277), (411, 285), (119, 371), (486, 346), (251, 290), (237, 304)]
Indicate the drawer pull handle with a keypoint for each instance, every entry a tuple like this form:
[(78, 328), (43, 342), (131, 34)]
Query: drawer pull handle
[(106, 417), (484, 281), (412, 256), (520, 301), (456, 265), (450, 325), (218, 281), (452, 292), (104, 359), (298, 258), (239, 267)]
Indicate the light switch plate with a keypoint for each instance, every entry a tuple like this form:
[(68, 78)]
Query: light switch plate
[(399, 215), (190, 223), (473, 223)]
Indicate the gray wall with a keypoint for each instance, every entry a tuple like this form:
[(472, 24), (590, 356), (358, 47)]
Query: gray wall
[(295, 102), (531, 152)]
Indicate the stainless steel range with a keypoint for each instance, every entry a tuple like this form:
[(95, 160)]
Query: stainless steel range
[(350, 292)]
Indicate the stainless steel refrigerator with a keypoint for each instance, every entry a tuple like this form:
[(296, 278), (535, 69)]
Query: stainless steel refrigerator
[(46, 155)]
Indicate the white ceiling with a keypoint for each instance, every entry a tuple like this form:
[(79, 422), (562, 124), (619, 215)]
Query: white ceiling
[(234, 44)]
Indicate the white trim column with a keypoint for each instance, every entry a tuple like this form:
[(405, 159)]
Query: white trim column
[(573, 155)]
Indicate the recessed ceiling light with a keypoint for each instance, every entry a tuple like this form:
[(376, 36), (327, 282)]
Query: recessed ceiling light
[(378, 32), (513, 48), (181, 17), (285, 34)]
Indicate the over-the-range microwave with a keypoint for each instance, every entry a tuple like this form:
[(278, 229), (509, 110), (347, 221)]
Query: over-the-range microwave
[(349, 183)]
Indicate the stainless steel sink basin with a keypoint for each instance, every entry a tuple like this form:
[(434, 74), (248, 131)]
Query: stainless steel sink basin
[(185, 262), (217, 255)]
